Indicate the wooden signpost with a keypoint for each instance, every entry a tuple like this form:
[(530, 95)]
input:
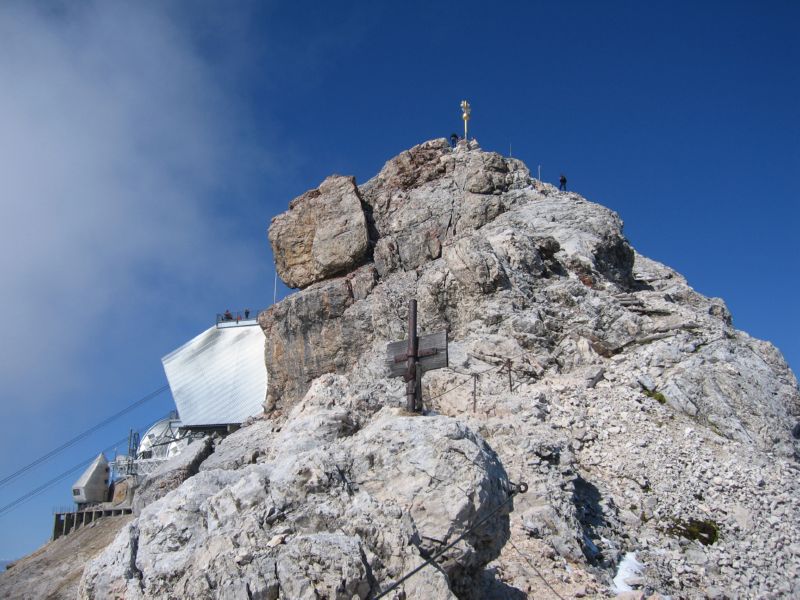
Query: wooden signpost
[(412, 357)]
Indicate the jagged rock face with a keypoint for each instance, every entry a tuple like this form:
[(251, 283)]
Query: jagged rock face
[(340, 503), (427, 195), (635, 411), (171, 474), (323, 233), (635, 405), (425, 208)]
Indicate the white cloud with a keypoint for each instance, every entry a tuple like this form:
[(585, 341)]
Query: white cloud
[(113, 134)]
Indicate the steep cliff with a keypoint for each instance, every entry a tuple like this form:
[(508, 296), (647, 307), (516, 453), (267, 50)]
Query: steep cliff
[(641, 419), (636, 409)]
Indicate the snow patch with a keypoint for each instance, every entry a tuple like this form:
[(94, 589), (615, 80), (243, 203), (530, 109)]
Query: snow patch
[(628, 567)]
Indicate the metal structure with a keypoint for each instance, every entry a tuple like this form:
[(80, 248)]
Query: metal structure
[(92, 485), (466, 112), (161, 441), (237, 318), (107, 489), (421, 354), (219, 377)]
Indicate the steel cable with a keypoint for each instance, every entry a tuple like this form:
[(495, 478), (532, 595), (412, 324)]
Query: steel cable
[(525, 558), (50, 483), (520, 488), (9, 478)]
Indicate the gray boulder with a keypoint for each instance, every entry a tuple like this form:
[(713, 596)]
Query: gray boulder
[(171, 474), (323, 233), (342, 512)]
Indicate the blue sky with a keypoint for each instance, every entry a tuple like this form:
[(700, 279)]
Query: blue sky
[(145, 146)]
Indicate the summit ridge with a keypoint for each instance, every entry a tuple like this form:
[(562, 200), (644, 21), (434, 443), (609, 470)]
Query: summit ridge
[(647, 427)]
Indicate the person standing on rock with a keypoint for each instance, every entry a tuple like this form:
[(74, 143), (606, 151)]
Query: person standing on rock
[(453, 140), (562, 183)]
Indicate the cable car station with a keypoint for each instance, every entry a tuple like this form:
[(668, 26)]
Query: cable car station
[(218, 380)]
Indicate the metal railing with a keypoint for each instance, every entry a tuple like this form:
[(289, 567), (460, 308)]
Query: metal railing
[(239, 317), (125, 465)]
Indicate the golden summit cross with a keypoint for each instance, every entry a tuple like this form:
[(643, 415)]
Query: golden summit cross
[(466, 110)]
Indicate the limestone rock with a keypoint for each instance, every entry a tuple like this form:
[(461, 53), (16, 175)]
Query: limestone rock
[(428, 194), (323, 233), (353, 509), (504, 233), (640, 418), (171, 474), (244, 446), (54, 570)]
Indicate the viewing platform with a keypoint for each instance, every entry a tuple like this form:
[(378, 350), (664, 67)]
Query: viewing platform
[(238, 318)]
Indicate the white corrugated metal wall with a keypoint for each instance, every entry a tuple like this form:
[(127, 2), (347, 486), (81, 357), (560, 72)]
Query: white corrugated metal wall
[(219, 377)]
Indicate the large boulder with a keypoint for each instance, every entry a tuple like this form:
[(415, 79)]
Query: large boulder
[(171, 474), (323, 233), (342, 514), (427, 195)]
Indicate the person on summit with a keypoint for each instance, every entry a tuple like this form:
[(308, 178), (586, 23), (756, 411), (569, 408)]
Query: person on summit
[(246, 313), (228, 316), (453, 140), (562, 183)]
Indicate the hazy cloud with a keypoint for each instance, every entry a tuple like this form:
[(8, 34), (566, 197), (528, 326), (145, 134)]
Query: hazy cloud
[(113, 134)]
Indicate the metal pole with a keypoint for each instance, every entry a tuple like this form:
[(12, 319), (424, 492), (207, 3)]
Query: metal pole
[(540, 172), (411, 358), (508, 366)]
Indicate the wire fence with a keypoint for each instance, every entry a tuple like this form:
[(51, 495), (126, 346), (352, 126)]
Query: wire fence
[(505, 368)]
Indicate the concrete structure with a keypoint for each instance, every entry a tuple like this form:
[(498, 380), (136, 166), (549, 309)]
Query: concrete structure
[(95, 498), (92, 486), (67, 522)]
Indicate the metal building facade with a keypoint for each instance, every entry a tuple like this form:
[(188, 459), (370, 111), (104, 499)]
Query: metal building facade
[(219, 377)]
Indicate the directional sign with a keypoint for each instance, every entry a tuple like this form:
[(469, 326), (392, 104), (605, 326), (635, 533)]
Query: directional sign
[(413, 356), (431, 354)]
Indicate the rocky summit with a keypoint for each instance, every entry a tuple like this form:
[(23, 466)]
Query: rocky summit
[(659, 443)]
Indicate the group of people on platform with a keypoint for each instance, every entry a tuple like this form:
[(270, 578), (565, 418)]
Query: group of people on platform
[(228, 316)]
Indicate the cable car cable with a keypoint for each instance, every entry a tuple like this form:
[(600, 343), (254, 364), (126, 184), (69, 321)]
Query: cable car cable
[(48, 484), (83, 435), (36, 491)]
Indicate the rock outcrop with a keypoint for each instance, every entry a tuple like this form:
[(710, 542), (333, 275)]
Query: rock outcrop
[(172, 473), (425, 207), (340, 503), (642, 420), (323, 233), (636, 407)]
